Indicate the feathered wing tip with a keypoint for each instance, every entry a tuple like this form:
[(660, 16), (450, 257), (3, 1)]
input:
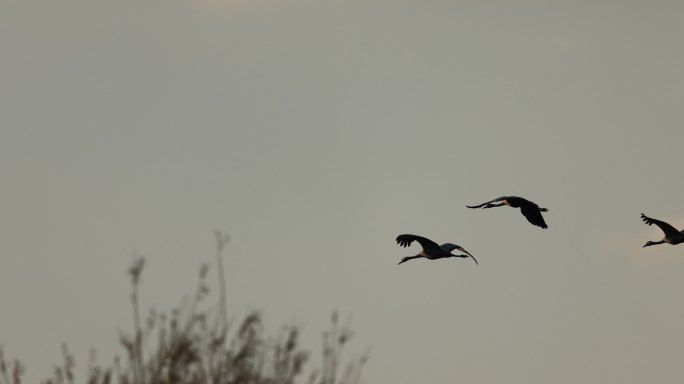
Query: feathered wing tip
[(661, 224), (646, 219), (534, 216), (405, 240), (668, 229)]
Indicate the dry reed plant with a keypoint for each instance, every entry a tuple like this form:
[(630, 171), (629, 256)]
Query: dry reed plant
[(193, 346)]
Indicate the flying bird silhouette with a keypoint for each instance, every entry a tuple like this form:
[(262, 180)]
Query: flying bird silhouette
[(672, 235), (529, 209), (431, 250)]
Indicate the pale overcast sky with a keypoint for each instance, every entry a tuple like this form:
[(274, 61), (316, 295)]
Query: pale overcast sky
[(316, 131)]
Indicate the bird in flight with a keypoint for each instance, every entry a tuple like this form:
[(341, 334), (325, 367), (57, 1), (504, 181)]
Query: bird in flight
[(672, 235), (431, 250), (529, 209)]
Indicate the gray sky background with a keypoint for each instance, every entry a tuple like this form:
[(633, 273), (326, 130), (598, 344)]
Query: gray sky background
[(315, 132)]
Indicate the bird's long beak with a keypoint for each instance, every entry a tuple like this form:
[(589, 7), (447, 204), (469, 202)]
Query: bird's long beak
[(468, 253), (464, 251)]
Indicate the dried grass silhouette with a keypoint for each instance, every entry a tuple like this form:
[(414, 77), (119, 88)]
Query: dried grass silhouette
[(190, 346)]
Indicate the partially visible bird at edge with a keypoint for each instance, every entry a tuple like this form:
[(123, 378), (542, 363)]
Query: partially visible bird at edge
[(672, 235), (529, 209), (431, 250)]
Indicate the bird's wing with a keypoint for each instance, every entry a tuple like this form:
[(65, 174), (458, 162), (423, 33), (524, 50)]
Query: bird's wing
[(406, 240), (669, 230), (533, 215), (488, 202)]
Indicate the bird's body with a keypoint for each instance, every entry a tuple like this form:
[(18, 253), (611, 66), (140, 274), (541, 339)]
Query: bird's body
[(530, 210), (431, 250), (672, 235)]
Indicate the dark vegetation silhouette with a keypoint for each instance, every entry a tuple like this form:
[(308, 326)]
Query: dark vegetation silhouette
[(193, 346), (530, 210)]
